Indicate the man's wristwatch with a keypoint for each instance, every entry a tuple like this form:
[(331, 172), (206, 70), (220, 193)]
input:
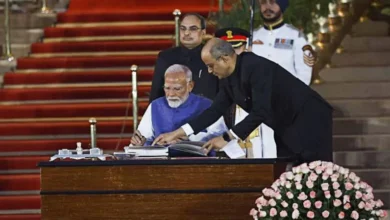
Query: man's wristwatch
[(226, 137)]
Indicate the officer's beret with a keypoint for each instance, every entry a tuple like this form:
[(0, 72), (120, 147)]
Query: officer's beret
[(236, 36)]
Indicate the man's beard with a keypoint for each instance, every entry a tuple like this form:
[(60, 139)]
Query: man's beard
[(175, 102), (278, 15)]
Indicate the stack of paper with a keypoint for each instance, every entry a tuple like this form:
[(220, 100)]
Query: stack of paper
[(147, 151)]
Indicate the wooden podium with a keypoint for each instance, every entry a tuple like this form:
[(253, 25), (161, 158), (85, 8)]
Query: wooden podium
[(150, 189)]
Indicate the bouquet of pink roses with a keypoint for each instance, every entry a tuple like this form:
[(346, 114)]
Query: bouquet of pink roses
[(320, 190)]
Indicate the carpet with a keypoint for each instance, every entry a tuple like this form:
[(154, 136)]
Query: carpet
[(58, 93), (77, 77), (101, 46), (85, 62)]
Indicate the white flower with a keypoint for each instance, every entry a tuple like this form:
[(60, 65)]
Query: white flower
[(288, 184), (298, 186), (338, 193), (346, 199), (313, 177), (318, 170), (284, 204), (295, 214), (325, 186), (278, 196), (313, 165), (337, 203), (295, 206), (325, 176), (289, 175), (356, 186), (334, 177), (296, 169), (352, 175), (298, 178), (272, 202), (290, 195), (263, 214), (329, 171)]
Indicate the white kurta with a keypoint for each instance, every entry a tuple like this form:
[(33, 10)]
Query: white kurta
[(145, 127)]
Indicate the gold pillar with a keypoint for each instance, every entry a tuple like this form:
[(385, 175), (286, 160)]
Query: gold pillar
[(134, 83), (7, 29), (177, 14), (92, 122), (45, 9)]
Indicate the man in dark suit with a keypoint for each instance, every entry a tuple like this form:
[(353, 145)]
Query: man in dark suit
[(192, 31), (300, 117)]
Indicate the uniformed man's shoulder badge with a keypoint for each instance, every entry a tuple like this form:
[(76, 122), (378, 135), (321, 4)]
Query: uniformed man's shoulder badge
[(309, 55)]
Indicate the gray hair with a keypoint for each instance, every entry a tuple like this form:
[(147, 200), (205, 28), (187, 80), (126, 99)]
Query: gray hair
[(178, 68), (221, 48)]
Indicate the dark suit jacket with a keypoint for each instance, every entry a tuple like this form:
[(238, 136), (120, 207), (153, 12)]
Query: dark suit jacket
[(205, 84), (268, 92)]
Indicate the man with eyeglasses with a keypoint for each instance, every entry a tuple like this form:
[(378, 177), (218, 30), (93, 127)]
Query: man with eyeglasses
[(166, 114), (301, 118), (192, 31)]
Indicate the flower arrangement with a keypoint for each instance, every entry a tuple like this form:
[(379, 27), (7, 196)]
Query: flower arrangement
[(319, 190)]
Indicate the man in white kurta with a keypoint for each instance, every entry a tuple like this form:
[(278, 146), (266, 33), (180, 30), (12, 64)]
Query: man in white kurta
[(179, 106)]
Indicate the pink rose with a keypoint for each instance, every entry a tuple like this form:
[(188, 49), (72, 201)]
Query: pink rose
[(358, 195), (325, 186), (325, 214), (337, 203), (309, 184), (355, 215), (295, 206), (368, 207), (273, 212), (310, 214), (295, 214), (347, 206), (318, 204), (336, 185), (290, 195), (263, 214), (361, 205), (338, 193), (327, 194), (312, 194), (348, 186), (253, 212), (284, 204), (379, 203), (383, 214), (341, 215), (363, 185), (298, 186), (278, 196), (288, 184), (307, 204), (313, 177), (352, 175), (283, 214), (262, 201), (334, 177), (302, 196)]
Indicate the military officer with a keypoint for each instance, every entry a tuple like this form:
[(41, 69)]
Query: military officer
[(286, 46), (192, 30)]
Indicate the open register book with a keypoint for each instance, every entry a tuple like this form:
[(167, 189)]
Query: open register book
[(182, 149)]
